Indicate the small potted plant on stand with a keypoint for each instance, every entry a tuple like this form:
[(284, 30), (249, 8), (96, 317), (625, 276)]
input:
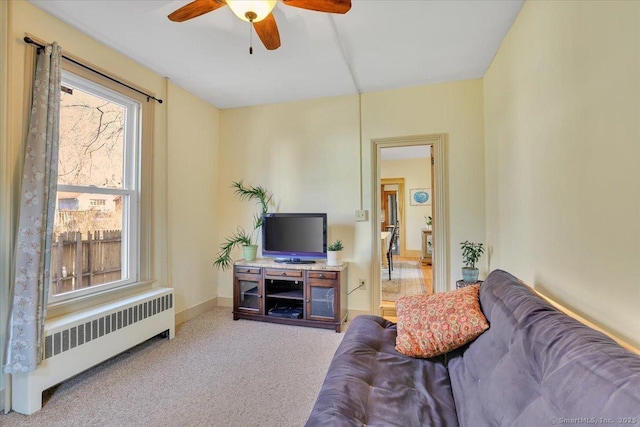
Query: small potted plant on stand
[(428, 221), (470, 254), (334, 253), (240, 237)]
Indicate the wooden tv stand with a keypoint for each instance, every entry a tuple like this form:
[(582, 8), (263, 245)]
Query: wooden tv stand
[(313, 295)]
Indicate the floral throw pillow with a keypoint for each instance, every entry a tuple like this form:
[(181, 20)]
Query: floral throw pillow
[(430, 325)]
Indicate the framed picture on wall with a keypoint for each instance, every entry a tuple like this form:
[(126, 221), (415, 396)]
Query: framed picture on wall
[(419, 196)]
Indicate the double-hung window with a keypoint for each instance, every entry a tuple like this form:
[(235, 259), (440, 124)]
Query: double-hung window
[(96, 239)]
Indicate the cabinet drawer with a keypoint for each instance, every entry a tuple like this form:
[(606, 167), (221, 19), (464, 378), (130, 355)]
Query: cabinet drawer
[(283, 273), (327, 275), (247, 270)]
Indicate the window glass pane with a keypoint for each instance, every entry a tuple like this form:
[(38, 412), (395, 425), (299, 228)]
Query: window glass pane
[(87, 241), (92, 131)]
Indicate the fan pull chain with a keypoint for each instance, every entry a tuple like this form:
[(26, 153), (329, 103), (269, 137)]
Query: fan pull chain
[(251, 37)]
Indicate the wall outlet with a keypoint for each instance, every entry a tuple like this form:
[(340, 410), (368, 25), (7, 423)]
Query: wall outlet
[(363, 284), (361, 215)]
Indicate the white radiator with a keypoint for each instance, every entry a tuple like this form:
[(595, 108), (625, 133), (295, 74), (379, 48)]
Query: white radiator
[(78, 341)]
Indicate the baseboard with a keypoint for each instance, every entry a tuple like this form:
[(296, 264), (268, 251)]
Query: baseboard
[(225, 302), (354, 313), (196, 310)]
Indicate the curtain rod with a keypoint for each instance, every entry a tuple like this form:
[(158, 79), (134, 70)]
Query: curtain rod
[(31, 41)]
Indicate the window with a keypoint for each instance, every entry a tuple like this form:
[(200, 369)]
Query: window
[(96, 239)]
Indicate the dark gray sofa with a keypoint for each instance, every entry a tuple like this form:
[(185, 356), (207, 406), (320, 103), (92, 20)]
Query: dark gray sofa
[(534, 366)]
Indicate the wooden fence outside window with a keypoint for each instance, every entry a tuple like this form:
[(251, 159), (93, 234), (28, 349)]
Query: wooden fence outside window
[(79, 263)]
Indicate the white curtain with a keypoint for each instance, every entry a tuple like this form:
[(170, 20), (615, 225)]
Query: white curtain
[(37, 209)]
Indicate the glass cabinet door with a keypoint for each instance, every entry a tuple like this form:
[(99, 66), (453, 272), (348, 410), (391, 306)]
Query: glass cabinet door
[(248, 294), (321, 302)]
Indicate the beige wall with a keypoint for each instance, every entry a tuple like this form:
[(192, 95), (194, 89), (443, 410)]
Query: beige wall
[(193, 131), (562, 117), (416, 174), (455, 109), (186, 177), (308, 154)]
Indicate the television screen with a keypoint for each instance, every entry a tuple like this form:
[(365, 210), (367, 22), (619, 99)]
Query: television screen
[(291, 237)]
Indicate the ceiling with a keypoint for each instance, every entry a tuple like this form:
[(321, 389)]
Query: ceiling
[(377, 45)]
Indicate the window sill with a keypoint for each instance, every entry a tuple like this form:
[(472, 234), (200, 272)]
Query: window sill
[(84, 302)]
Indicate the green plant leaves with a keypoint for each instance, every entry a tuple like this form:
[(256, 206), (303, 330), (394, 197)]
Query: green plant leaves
[(240, 237), (471, 253), (335, 246)]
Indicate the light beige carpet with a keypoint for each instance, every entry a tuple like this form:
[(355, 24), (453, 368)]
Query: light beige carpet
[(215, 372), (406, 279)]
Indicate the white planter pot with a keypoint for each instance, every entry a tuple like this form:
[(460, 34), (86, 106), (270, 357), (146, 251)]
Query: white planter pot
[(334, 258)]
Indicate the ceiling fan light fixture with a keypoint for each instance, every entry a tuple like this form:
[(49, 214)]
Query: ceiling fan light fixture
[(251, 10)]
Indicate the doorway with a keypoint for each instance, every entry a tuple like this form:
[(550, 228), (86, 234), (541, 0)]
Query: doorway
[(405, 271), (384, 201)]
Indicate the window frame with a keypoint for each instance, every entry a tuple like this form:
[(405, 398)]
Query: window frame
[(140, 247)]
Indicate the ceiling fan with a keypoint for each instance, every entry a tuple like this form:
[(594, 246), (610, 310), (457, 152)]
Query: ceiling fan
[(258, 13)]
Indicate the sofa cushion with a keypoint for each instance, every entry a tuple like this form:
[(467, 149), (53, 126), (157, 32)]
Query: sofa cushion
[(537, 366), (370, 383), (431, 325)]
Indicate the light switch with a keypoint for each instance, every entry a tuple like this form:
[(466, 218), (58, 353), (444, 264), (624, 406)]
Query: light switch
[(361, 215)]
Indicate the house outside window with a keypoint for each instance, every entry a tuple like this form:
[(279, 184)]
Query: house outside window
[(96, 241)]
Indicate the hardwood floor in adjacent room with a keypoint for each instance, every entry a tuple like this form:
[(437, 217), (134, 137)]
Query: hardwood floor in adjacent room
[(388, 308)]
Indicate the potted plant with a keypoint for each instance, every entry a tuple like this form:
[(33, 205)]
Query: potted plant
[(334, 253), (240, 237), (470, 254), (429, 221)]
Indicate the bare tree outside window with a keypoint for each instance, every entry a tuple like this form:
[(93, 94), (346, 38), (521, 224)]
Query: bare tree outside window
[(91, 141)]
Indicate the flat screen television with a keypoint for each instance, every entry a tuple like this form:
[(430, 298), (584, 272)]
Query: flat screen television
[(294, 237)]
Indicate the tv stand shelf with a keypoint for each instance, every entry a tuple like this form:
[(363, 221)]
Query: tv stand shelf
[(287, 295), (313, 295)]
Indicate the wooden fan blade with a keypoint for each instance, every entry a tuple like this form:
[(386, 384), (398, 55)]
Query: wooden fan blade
[(267, 30), (329, 6), (195, 8)]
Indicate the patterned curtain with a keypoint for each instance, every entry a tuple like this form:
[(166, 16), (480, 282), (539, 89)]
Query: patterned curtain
[(37, 209)]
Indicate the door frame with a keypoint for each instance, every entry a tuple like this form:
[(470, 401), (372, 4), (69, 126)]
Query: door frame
[(441, 262)]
